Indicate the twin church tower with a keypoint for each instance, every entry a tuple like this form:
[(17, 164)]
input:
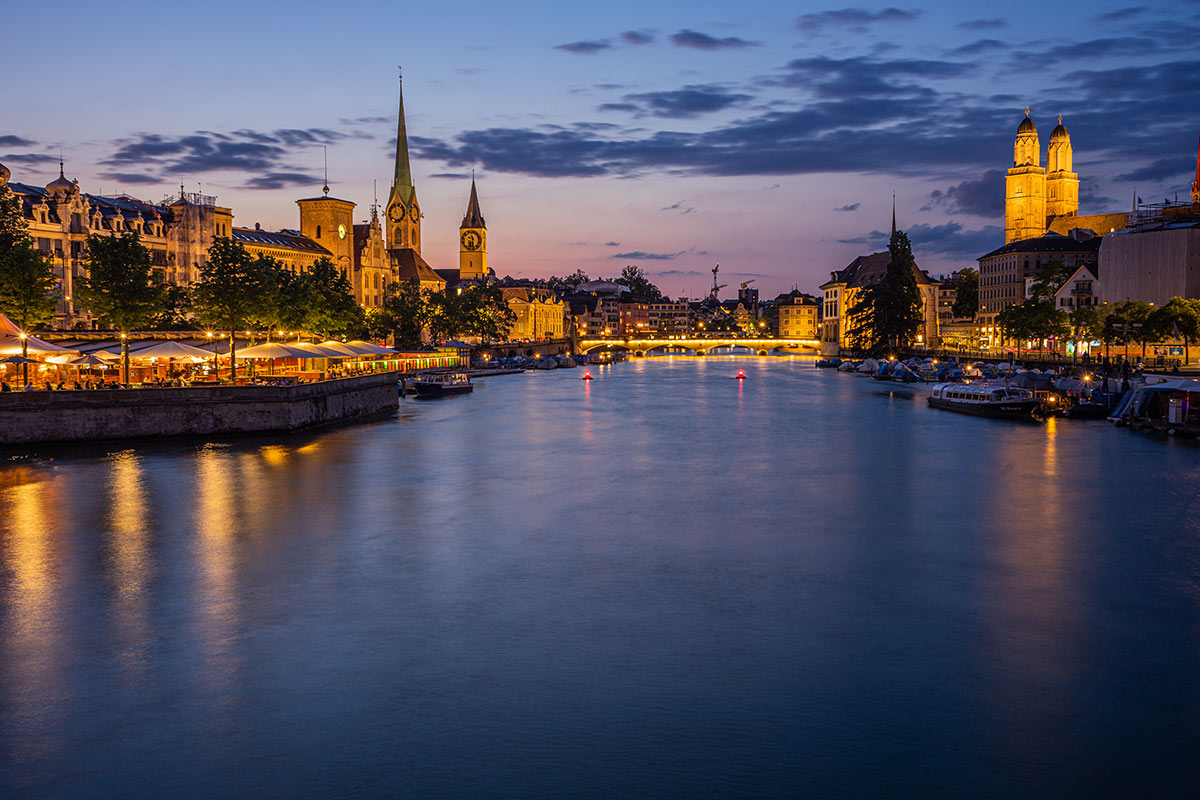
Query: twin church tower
[(1035, 195), (404, 228)]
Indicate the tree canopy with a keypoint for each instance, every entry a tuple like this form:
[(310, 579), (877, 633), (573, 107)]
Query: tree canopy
[(887, 313), (28, 287), (966, 294), (633, 277)]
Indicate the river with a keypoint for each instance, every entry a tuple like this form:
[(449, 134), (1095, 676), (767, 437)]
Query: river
[(662, 582)]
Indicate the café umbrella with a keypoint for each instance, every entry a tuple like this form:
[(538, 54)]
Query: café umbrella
[(170, 350)]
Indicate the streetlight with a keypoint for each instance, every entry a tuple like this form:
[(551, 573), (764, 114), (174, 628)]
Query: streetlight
[(24, 354), (213, 342)]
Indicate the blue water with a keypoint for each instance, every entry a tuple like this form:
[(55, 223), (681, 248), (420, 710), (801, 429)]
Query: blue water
[(665, 583)]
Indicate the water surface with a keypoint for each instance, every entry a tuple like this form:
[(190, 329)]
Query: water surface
[(667, 582)]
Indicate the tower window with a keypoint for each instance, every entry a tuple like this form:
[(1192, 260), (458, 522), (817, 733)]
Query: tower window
[(318, 231)]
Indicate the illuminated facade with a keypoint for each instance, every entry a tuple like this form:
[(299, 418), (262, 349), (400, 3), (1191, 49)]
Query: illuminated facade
[(541, 314), (841, 294)]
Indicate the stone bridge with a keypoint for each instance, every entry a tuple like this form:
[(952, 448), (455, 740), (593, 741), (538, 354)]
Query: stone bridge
[(700, 346)]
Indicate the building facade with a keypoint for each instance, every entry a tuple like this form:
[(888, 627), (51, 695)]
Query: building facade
[(841, 294)]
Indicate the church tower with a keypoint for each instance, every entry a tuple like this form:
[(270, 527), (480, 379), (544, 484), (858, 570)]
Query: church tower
[(403, 211), (1025, 186), (1196, 183), (1062, 185), (472, 242), (330, 223)]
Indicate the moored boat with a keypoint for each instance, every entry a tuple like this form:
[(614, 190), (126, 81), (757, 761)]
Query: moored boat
[(987, 400), (440, 384)]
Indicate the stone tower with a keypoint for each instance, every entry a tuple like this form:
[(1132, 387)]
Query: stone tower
[(472, 241), (330, 223), (403, 211), (1062, 185), (1025, 187), (1196, 182)]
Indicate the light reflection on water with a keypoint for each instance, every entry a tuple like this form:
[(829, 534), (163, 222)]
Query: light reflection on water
[(661, 581)]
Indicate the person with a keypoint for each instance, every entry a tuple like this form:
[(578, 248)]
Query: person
[(4, 387)]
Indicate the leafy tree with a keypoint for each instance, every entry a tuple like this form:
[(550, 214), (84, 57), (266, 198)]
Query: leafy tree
[(1087, 324), (887, 313), (327, 298), (1050, 279), (476, 311), (229, 292), (633, 277), (120, 287), (1178, 319), (407, 312), (966, 294), (176, 311), (28, 288), (568, 284), (1130, 322), (1033, 319), (376, 324)]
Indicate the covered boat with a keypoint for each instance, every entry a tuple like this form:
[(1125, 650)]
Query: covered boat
[(987, 400), (440, 384)]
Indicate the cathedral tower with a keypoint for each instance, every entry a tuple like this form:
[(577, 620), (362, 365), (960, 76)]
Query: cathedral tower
[(472, 241), (1196, 183), (1062, 185), (330, 223), (1025, 186), (403, 212)]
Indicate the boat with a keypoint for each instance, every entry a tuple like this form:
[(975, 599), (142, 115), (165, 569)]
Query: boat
[(440, 384), (987, 400)]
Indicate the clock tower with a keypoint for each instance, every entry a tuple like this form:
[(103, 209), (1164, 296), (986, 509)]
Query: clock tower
[(403, 211), (472, 242), (329, 222)]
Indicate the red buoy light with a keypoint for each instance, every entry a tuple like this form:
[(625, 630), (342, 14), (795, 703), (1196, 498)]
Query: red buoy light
[(741, 375), (587, 376)]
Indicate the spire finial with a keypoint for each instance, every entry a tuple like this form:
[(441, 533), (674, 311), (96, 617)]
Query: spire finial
[(325, 188), (1027, 111), (893, 213)]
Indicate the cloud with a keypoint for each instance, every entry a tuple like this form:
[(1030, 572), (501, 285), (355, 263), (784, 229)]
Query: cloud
[(680, 207), (848, 207), (454, 175), (585, 48), (1094, 49), (687, 102), (612, 244), (981, 197), (138, 178), (281, 180), (638, 255), (9, 140), (1121, 13), (29, 159), (979, 46), (1162, 170), (949, 240), (849, 79), (637, 37), (852, 19), (663, 273), (702, 41), (982, 24), (205, 151)]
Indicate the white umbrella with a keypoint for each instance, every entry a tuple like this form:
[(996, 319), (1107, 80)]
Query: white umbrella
[(273, 350), (89, 360), (170, 350), (373, 348), (342, 347), (12, 344), (317, 351)]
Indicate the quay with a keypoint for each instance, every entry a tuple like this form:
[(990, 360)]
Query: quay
[(93, 415)]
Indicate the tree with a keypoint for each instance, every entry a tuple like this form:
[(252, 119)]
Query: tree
[(633, 277), (887, 313), (475, 311), (276, 302), (1087, 324), (568, 284), (328, 299), (120, 287), (28, 288), (228, 294), (1178, 319), (1130, 322), (1033, 319), (1050, 279), (407, 312), (176, 311), (966, 294)]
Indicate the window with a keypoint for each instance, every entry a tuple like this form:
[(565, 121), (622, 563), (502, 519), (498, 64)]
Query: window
[(318, 231)]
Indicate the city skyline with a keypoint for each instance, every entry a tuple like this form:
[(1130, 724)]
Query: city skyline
[(672, 138)]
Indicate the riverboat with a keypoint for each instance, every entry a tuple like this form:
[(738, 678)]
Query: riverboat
[(440, 384), (988, 400)]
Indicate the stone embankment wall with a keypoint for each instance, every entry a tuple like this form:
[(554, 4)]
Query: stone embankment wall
[(31, 417)]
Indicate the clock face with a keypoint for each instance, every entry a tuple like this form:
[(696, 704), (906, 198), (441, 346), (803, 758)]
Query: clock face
[(341, 231), (470, 240), (415, 213), (396, 213)]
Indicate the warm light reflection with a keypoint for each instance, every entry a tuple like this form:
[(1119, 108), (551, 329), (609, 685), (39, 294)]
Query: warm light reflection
[(216, 602), (128, 531), (274, 454)]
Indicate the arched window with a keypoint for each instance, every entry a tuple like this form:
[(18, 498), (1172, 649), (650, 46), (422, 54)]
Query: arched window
[(318, 231)]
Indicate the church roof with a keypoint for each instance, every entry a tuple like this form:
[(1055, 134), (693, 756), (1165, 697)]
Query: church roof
[(402, 182), (865, 270), (1026, 125), (1059, 132), (1050, 243), (409, 265), (473, 217), (284, 239)]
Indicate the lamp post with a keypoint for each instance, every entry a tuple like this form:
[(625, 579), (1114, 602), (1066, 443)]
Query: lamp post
[(24, 354), (213, 342)]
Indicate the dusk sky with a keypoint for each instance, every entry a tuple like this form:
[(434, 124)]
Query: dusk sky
[(765, 136)]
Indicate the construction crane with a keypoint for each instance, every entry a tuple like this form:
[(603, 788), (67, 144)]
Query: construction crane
[(744, 284), (712, 295)]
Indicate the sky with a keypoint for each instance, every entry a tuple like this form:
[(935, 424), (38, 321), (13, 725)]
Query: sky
[(767, 137)]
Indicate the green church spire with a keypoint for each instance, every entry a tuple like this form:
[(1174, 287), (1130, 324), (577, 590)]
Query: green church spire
[(402, 183)]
